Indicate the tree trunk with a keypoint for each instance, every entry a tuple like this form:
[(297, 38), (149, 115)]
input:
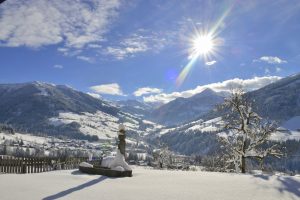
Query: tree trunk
[(261, 164), (243, 165), (160, 165)]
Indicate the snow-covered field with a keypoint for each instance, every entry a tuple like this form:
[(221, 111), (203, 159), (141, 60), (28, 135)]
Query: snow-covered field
[(149, 184), (101, 124), (26, 138), (89, 123), (290, 130)]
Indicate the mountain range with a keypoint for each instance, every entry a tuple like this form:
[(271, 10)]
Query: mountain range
[(279, 101), (58, 110), (183, 110)]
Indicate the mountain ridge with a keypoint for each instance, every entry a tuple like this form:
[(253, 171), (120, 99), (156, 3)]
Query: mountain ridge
[(183, 110), (59, 110)]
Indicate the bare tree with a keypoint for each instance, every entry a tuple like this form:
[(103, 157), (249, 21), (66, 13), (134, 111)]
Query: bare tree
[(247, 133), (163, 157)]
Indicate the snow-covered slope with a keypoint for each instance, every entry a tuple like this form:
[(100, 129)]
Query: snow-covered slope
[(59, 110), (289, 130), (149, 184), (103, 125), (279, 100), (212, 125), (26, 138), (183, 110), (135, 107)]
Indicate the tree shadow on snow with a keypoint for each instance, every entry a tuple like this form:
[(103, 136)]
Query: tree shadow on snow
[(77, 172), (262, 176), (74, 189), (287, 184), (290, 185)]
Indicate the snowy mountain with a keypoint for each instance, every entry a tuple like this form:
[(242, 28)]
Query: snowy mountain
[(58, 110), (183, 110), (195, 137), (135, 107), (280, 100)]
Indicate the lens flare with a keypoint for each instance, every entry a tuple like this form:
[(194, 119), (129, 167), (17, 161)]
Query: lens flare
[(183, 74), (204, 44), (201, 46)]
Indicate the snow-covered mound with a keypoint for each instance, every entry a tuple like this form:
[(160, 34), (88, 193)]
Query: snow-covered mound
[(85, 164), (119, 162), (149, 184)]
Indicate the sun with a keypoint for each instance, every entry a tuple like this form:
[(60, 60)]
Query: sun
[(202, 45)]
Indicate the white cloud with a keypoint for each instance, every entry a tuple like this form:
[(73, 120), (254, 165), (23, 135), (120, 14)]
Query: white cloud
[(267, 71), (210, 62), (94, 46), (86, 58), (112, 89), (227, 86), (139, 42), (69, 52), (278, 69), (97, 96), (146, 90), (75, 24), (58, 66), (270, 60)]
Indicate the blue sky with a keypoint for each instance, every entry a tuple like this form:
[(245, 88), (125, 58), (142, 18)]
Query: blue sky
[(137, 49)]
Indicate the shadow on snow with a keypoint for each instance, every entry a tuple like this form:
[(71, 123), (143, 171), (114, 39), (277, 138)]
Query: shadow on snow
[(288, 184), (77, 188)]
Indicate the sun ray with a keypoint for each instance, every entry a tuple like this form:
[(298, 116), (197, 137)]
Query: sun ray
[(183, 74), (204, 44)]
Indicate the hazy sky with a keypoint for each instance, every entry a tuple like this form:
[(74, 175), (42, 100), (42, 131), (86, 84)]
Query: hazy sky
[(139, 48)]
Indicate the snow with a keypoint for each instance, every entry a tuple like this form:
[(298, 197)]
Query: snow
[(26, 138), (155, 125), (212, 125), (106, 161), (285, 135), (119, 161), (149, 184), (85, 164), (103, 125), (289, 130), (43, 92)]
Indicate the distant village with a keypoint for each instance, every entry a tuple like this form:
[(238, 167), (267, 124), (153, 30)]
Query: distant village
[(23, 145)]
